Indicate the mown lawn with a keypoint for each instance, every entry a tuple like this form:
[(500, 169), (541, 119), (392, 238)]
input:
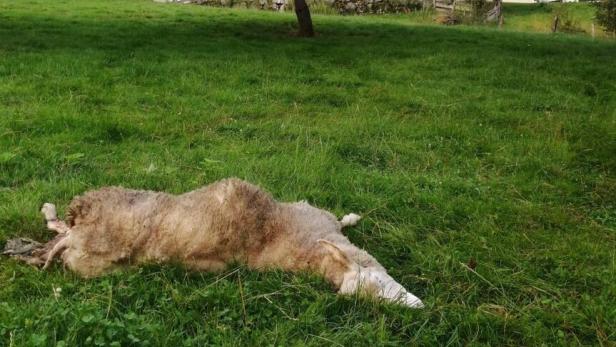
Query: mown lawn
[(460, 146)]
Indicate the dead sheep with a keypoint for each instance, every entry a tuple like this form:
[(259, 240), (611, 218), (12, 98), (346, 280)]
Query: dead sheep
[(229, 221)]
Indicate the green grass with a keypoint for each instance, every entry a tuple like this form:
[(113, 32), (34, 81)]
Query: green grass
[(457, 144), (574, 18), (540, 17)]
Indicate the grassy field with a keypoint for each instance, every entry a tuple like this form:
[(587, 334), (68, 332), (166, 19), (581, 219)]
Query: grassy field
[(575, 18), (540, 17), (460, 146)]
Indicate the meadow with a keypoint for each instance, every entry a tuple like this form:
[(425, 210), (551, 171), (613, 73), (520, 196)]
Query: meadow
[(483, 162), (575, 18)]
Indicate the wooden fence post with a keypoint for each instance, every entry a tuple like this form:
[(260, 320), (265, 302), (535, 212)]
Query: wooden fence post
[(555, 24), (592, 30)]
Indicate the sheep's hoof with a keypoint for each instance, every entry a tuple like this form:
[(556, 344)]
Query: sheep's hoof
[(49, 210)]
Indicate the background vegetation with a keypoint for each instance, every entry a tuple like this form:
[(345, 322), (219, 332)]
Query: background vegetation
[(464, 148), (574, 18), (606, 15)]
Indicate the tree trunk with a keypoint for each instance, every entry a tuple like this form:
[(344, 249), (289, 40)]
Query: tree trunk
[(303, 18)]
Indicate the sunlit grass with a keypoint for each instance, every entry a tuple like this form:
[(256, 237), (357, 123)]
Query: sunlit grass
[(458, 145)]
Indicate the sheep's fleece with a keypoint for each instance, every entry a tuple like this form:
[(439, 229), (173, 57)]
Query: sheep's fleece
[(229, 221)]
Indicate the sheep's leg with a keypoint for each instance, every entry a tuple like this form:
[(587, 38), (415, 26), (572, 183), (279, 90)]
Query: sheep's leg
[(60, 246), (34, 261), (349, 220), (51, 216), (44, 254)]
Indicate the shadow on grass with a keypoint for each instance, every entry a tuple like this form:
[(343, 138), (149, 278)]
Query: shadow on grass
[(219, 32)]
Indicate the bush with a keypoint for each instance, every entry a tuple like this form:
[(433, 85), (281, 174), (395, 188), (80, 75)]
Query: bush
[(376, 6), (606, 15), (323, 6)]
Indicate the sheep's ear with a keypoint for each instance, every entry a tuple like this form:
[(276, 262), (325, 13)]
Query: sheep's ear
[(337, 254)]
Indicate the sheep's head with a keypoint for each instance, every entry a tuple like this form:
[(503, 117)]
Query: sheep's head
[(369, 280)]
